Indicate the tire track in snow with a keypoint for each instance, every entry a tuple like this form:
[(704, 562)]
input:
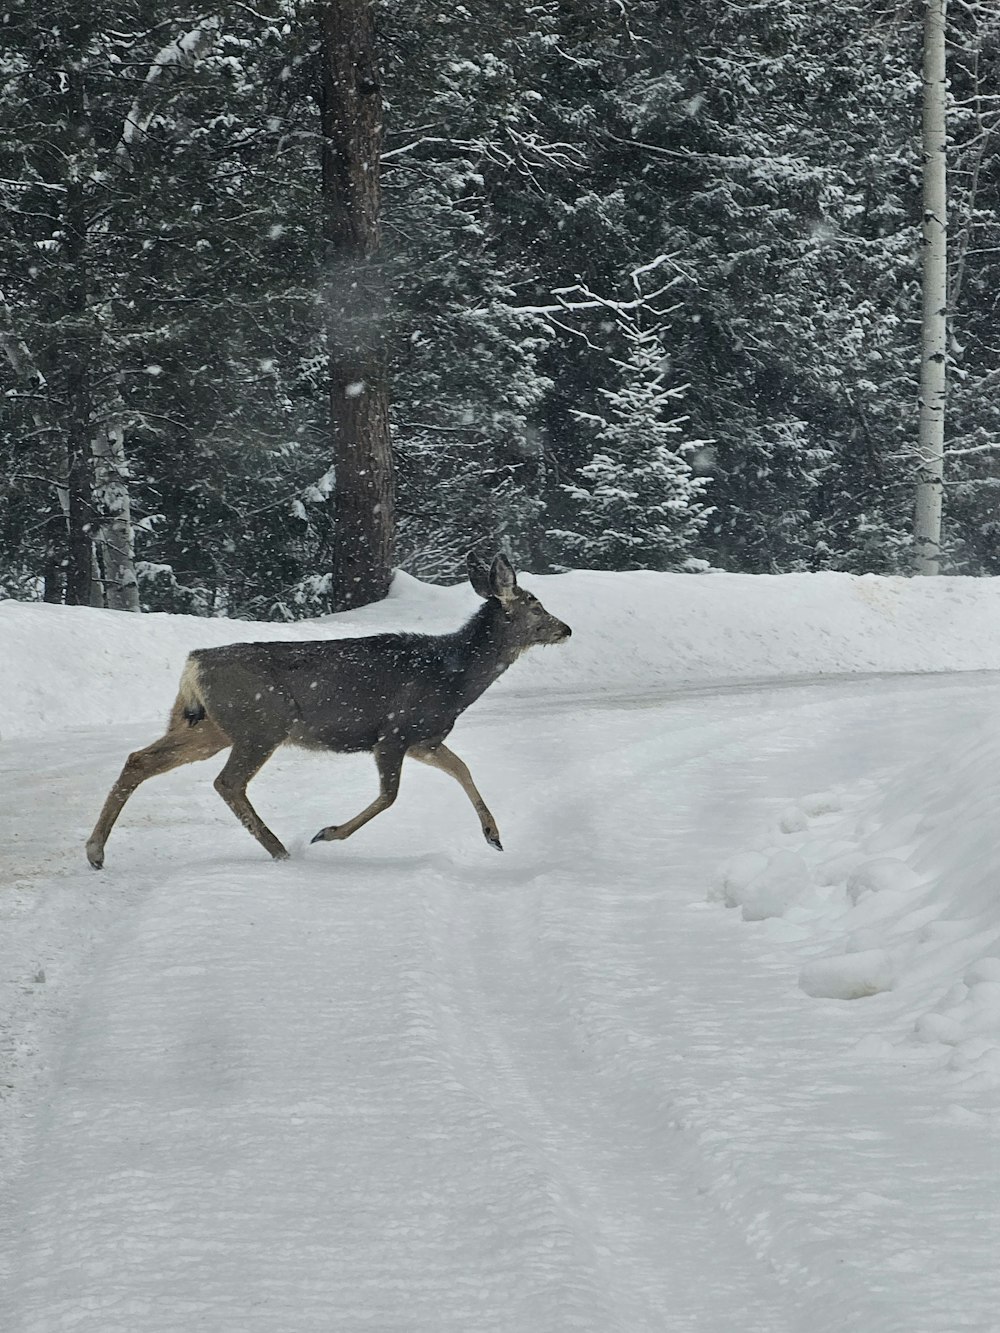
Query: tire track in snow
[(543, 1046)]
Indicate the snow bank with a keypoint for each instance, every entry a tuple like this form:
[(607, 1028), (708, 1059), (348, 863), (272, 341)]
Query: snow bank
[(890, 893), (633, 633)]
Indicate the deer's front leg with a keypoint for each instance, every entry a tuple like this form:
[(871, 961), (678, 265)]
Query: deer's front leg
[(389, 760), (439, 756)]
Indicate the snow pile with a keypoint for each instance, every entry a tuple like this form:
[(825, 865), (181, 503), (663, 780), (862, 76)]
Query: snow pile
[(633, 633), (891, 892)]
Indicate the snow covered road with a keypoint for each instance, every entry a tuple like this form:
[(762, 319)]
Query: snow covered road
[(406, 1084)]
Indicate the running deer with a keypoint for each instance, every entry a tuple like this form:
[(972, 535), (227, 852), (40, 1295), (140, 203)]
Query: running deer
[(393, 694)]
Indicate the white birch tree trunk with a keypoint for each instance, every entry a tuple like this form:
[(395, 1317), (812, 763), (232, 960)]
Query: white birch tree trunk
[(113, 538), (934, 347)]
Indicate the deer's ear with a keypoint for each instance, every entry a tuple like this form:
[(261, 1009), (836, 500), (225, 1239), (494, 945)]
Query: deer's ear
[(479, 575), (503, 580)]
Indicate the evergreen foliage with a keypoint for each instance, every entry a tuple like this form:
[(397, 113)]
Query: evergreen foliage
[(649, 289), (636, 502)]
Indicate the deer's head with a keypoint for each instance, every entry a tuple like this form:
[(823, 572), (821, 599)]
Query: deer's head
[(526, 621)]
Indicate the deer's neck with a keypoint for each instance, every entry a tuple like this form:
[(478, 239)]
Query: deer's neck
[(484, 651)]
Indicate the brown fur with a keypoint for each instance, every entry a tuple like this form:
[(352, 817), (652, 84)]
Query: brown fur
[(391, 694)]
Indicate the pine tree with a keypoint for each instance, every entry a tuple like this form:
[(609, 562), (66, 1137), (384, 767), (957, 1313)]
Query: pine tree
[(637, 502), (609, 233), (162, 277), (770, 152)]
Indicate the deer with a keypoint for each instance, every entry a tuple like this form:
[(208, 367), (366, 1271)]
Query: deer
[(397, 695)]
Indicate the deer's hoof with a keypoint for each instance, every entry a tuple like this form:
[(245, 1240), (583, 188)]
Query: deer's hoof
[(95, 855), (324, 835), (281, 855), (494, 840)]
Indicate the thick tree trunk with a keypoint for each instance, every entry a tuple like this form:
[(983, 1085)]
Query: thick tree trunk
[(364, 490), (934, 352)]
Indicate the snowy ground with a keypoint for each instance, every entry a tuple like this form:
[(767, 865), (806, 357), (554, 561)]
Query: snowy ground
[(713, 1046)]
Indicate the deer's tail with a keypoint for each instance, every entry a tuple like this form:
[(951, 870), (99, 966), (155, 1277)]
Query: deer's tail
[(189, 705)]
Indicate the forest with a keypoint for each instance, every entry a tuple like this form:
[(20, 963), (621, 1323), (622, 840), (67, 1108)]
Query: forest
[(644, 290)]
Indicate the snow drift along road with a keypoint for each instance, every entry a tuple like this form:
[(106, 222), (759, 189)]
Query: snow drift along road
[(634, 633)]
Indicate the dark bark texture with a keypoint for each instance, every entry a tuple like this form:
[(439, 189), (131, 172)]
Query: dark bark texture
[(364, 492)]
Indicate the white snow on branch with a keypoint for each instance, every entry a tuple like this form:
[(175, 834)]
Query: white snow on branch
[(14, 348), (185, 51)]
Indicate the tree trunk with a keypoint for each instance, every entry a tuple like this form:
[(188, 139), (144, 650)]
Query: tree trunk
[(934, 350), (99, 563), (78, 352), (113, 540), (81, 566), (24, 365), (364, 489)]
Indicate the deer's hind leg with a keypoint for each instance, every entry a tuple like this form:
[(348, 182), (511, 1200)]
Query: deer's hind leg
[(182, 744), (247, 759)]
